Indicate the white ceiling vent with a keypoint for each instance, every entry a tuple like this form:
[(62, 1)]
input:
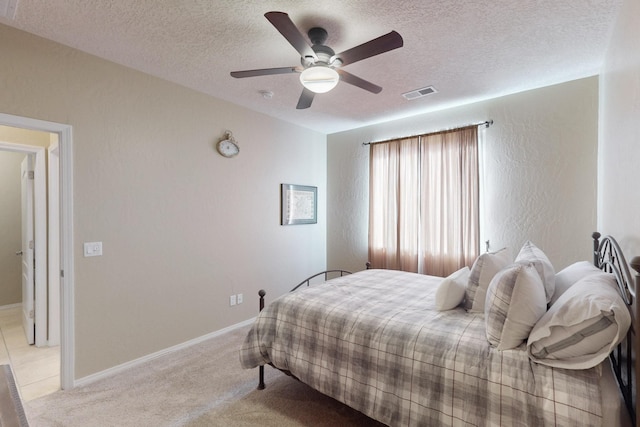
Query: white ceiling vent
[(8, 8), (419, 93)]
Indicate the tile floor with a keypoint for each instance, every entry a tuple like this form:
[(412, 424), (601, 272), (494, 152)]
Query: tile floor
[(36, 370)]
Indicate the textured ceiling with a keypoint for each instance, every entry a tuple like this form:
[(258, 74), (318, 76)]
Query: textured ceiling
[(468, 50)]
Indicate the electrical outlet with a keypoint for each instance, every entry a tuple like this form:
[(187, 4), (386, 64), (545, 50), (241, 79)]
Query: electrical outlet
[(232, 300), (240, 298)]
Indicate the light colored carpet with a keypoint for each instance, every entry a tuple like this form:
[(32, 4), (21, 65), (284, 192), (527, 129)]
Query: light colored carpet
[(203, 385)]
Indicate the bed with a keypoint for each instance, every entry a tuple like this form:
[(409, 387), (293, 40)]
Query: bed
[(407, 349)]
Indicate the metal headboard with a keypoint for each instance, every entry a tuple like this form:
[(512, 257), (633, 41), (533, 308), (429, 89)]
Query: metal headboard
[(608, 257)]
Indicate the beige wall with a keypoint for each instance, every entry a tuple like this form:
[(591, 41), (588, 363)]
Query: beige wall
[(619, 147), (182, 227), (10, 228), (538, 179)]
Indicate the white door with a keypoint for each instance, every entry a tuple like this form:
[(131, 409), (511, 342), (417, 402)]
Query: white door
[(27, 250)]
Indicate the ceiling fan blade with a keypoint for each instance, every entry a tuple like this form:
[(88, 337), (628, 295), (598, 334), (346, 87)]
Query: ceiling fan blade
[(306, 98), (264, 72), (357, 81), (374, 47), (287, 28)]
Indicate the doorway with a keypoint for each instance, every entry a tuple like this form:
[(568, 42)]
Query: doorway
[(24, 323), (65, 271)]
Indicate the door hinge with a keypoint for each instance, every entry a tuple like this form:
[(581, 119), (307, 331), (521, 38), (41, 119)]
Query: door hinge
[(31, 174), (30, 244), (31, 314), (61, 273)]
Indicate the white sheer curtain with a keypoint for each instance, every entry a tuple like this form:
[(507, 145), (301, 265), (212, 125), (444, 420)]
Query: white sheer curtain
[(423, 202)]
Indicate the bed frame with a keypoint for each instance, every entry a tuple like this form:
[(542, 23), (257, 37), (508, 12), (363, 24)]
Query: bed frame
[(327, 274), (608, 257)]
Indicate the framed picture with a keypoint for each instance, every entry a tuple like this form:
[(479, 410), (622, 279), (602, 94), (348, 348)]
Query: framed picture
[(299, 204)]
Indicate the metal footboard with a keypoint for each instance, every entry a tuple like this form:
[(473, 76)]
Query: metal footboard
[(327, 274)]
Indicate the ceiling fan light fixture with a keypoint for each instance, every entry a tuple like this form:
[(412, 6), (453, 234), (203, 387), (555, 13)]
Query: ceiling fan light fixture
[(319, 78)]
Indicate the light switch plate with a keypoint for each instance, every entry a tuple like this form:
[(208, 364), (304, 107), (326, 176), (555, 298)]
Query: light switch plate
[(93, 249)]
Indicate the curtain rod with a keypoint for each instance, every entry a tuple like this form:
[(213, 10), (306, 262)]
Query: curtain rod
[(486, 124)]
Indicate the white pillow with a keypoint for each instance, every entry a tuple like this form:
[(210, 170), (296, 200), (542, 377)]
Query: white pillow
[(515, 302), (530, 253), (570, 275), (451, 290), (582, 327), (484, 268)]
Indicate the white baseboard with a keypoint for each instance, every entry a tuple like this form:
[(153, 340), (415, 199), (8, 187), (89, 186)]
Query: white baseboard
[(10, 306), (128, 365)]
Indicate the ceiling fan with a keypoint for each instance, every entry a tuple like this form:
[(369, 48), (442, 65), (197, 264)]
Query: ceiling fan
[(320, 70)]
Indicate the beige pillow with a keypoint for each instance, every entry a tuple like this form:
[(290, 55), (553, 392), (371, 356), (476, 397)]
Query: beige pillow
[(531, 254), (450, 292), (515, 302), (484, 268)]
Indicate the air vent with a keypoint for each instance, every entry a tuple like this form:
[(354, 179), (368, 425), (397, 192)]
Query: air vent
[(419, 93), (8, 8)]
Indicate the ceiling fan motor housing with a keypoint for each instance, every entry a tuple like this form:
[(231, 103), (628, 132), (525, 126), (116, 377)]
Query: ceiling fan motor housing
[(324, 53), (317, 35)]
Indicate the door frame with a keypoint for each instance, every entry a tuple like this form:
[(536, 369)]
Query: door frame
[(67, 308), (53, 242)]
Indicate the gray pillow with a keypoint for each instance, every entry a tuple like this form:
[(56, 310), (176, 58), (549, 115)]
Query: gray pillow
[(515, 302), (484, 268)]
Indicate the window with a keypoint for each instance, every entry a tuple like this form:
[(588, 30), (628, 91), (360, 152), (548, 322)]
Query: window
[(423, 202)]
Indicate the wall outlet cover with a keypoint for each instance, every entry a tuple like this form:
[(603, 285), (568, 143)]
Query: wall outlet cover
[(92, 249)]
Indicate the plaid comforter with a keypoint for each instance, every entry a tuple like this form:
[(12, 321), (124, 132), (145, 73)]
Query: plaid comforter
[(374, 341)]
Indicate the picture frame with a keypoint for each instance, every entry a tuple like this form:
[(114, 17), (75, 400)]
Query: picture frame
[(299, 204)]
